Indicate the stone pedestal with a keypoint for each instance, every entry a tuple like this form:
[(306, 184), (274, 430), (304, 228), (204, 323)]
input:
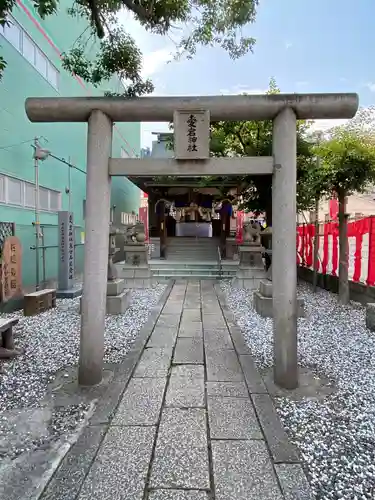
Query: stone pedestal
[(135, 255), (117, 300), (115, 287), (135, 271), (263, 301), (135, 276), (118, 304), (251, 270)]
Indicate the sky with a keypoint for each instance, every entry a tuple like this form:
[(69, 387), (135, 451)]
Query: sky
[(308, 46)]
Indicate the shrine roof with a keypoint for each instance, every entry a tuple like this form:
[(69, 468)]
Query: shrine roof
[(152, 184)]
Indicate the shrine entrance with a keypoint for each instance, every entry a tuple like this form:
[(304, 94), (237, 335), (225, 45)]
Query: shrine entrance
[(192, 117), (182, 208)]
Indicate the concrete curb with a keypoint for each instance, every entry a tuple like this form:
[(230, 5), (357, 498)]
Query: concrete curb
[(68, 475)]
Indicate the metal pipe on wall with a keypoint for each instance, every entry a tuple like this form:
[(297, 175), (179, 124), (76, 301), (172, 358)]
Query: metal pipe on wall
[(37, 220)]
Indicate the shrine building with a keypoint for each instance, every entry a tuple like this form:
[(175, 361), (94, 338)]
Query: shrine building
[(191, 227)]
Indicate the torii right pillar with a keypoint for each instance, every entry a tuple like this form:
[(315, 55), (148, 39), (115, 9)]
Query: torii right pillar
[(284, 264)]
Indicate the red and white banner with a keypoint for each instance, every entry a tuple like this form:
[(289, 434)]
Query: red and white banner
[(361, 251), (333, 209), (143, 217), (239, 227)]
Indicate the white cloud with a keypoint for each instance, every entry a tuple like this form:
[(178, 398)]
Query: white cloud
[(325, 125), (154, 61), (288, 45), (371, 86), (242, 89), (157, 50)]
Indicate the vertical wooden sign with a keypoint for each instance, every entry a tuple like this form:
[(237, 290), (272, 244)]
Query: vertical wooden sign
[(11, 269)]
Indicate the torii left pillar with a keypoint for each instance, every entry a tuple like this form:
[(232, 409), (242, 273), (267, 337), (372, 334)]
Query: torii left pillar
[(98, 199)]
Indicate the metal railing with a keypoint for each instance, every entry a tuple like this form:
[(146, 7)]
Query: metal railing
[(219, 262)]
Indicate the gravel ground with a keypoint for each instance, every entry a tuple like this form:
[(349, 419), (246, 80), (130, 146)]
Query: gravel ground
[(336, 436), (51, 342)]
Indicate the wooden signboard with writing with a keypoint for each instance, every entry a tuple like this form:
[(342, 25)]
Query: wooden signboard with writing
[(11, 269), (191, 134)]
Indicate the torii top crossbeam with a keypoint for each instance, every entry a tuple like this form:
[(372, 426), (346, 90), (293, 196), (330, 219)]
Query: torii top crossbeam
[(159, 109)]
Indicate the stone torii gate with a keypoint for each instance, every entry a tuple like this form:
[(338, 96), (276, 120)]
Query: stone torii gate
[(102, 112)]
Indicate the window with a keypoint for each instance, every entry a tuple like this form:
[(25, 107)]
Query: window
[(14, 191), (41, 63), (54, 201), (2, 188), (21, 193), (17, 36), (28, 49), (43, 199), (52, 75), (12, 32), (29, 195)]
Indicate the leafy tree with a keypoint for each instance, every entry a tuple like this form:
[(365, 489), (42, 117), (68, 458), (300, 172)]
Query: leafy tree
[(347, 167), (254, 138), (200, 23)]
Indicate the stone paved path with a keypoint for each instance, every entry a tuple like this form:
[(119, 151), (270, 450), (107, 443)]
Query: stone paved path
[(196, 421)]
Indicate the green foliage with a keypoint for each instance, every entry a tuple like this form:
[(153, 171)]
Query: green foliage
[(3, 65), (348, 162), (254, 138), (200, 22)]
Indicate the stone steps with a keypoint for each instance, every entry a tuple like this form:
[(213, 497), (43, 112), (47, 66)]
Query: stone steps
[(191, 269)]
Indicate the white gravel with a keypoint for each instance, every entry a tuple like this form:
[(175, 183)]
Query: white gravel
[(51, 342), (336, 435)]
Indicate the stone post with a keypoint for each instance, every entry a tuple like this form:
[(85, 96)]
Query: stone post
[(284, 267), (98, 193)]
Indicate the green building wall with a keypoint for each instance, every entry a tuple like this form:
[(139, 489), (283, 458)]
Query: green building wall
[(21, 79)]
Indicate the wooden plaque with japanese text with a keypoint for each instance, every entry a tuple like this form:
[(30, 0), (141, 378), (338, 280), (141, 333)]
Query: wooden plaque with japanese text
[(191, 134), (11, 269)]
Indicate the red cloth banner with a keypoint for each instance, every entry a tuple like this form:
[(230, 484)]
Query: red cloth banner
[(333, 209), (239, 227), (143, 217), (361, 249)]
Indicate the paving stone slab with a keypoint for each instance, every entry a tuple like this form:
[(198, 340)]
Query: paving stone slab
[(189, 371), (163, 337), (191, 330), (120, 469), (223, 366), (188, 350), (253, 379), (141, 402), (217, 339), (173, 309), (192, 304), (243, 471), (294, 484), (281, 448), (227, 389), (168, 320), (214, 320), (191, 315), (181, 455), (154, 362), (184, 392), (67, 480), (233, 418), (177, 495)]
